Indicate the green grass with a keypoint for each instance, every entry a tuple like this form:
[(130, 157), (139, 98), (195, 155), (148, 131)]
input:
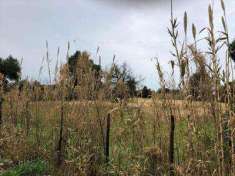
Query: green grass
[(33, 168)]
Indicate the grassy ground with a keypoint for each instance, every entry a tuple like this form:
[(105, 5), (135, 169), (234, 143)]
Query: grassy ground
[(139, 135)]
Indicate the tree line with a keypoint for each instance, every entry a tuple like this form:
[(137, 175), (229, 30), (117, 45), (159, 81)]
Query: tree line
[(80, 72)]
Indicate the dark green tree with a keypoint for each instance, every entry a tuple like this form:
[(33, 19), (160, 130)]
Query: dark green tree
[(131, 84), (73, 65), (10, 68), (123, 82), (80, 66), (232, 50), (146, 93)]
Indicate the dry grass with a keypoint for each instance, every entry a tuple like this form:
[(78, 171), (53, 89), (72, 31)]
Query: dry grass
[(71, 136)]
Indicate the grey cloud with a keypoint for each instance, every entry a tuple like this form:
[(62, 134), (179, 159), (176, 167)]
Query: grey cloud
[(133, 3)]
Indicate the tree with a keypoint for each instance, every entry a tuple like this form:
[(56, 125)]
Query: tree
[(232, 50), (200, 86), (200, 82), (122, 81), (146, 93), (73, 65), (10, 68), (81, 74), (131, 84)]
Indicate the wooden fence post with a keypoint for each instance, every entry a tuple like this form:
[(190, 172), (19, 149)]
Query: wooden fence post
[(171, 146), (60, 143), (1, 110), (107, 137), (27, 118)]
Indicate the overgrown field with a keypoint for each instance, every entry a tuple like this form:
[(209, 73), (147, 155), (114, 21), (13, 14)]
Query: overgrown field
[(92, 122), (139, 137)]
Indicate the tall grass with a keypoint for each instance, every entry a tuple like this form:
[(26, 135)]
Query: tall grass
[(158, 136)]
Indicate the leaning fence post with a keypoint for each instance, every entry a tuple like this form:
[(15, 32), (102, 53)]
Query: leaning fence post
[(1, 111), (59, 147), (171, 146), (107, 138), (27, 118)]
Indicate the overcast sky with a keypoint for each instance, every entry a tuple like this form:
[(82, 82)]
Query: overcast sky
[(134, 30)]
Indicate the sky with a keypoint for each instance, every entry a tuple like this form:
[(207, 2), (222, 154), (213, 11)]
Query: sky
[(134, 30)]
